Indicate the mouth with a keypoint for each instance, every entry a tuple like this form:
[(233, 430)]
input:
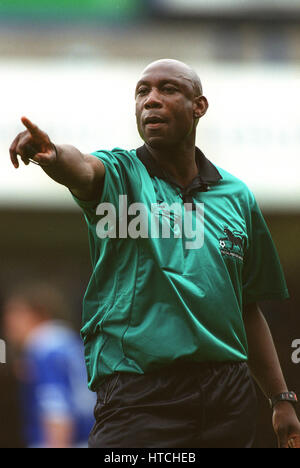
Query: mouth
[(154, 121)]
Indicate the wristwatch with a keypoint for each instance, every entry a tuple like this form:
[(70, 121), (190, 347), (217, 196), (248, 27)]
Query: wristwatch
[(291, 397)]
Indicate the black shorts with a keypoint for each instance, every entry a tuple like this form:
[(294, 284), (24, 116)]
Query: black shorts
[(194, 405)]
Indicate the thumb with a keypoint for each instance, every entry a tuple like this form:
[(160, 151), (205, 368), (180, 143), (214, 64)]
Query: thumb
[(45, 159)]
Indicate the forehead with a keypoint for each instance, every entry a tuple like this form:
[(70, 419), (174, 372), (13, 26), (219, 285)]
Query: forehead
[(167, 72)]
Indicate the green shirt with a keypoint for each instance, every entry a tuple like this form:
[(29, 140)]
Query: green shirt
[(152, 300)]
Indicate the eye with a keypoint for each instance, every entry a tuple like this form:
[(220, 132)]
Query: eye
[(169, 89), (142, 91)]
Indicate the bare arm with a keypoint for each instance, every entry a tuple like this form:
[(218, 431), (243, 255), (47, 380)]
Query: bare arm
[(58, 434), (263, 360), (83, 174), (266, 370)]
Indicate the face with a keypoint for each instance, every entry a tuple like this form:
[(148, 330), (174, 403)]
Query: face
[(18, 319), (166, 105)]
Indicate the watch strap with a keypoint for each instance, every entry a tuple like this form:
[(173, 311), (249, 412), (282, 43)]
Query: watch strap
[(290, 397)]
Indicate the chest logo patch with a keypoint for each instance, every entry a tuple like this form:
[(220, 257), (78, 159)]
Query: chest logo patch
[(233, 243)]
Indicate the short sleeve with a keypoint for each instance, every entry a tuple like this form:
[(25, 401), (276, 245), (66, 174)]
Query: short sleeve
[(263, 277)]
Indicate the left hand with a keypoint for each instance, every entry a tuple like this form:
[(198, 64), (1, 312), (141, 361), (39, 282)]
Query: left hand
[(286, 425)]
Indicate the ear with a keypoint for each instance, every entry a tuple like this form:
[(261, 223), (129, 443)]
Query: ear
[(200, 106)]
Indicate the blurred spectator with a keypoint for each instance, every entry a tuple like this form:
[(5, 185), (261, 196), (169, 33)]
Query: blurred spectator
[(57, 407)]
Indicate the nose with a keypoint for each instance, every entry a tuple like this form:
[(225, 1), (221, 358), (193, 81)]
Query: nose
[(153, 99)]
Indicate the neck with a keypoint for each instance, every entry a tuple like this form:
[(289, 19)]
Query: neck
[(179, 162)]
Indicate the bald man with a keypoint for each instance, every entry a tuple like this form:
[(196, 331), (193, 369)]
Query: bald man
[(181, 255)]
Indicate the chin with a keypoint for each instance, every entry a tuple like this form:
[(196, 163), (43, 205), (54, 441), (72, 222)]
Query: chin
[(158, 142)]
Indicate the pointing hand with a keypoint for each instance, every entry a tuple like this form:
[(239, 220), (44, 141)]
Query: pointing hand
[(32, 144)]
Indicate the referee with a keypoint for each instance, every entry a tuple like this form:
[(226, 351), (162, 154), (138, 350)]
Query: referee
[(171, 326)]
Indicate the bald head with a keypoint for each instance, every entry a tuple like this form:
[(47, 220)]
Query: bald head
[(169, 103), (180, 70)]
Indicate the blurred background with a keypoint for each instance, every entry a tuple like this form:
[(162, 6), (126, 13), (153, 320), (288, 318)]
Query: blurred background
[(71, 67)]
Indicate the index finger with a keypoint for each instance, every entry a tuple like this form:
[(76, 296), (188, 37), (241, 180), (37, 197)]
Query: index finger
[(31, 127)]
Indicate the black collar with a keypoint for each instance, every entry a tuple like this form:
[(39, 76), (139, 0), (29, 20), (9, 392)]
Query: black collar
[(208, 173)]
